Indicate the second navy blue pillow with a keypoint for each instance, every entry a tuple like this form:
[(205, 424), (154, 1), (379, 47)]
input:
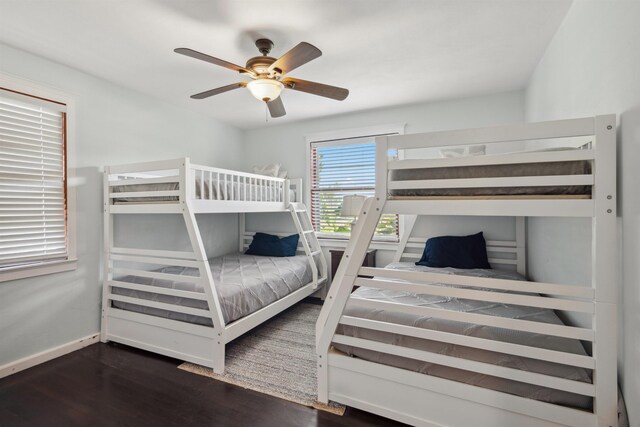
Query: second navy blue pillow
[(270, 245), (456, 251)]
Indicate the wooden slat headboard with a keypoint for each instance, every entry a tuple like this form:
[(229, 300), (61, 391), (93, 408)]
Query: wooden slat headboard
[(502, 253)]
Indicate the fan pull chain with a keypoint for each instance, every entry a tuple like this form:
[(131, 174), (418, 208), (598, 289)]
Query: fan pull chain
[(266, 113)]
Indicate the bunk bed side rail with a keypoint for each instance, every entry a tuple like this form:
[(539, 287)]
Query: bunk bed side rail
[(159, 165), (223, 184), (509, 133), (149, 187), (530, 180), (163, 186)]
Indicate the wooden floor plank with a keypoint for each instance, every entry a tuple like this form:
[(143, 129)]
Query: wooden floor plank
[(110, 384)]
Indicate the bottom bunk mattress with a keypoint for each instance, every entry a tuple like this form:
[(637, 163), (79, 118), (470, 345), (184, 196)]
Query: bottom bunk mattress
[(244, 283), (488, 332)]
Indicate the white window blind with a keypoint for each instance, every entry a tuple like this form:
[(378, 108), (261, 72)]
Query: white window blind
[(32, 180), (338, 169)]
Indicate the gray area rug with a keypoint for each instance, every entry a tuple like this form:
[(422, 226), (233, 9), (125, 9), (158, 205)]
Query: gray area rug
[(277, 358)]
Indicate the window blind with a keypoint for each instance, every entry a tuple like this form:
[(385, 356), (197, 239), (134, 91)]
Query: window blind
[(338, 169), (32, 180)]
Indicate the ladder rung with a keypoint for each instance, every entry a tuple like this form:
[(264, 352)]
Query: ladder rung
[(315, 253), (299, 210), (307, 231)]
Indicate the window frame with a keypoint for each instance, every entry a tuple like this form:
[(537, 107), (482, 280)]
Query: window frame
[(37, 90), (379, 242)]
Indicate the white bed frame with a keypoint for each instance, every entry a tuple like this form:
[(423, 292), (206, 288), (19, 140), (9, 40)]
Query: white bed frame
[(249, 193), (422, 399)]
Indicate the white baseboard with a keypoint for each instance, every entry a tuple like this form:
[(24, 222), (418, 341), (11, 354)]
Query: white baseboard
[(45, 356)]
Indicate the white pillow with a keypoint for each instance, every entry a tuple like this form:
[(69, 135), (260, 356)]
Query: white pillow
[(469, 150), (274, 169)]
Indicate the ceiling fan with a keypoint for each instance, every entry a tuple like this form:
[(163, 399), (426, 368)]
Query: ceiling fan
[(267, 74)]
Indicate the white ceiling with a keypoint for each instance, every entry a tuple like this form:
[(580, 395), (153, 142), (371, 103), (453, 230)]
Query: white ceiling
[(385, 52)]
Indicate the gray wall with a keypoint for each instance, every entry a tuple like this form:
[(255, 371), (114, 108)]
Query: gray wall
[(592, 66), (114, 125)]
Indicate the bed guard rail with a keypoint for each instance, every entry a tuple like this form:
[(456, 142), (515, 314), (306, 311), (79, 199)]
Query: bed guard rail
[(175, 181), (404, 161)]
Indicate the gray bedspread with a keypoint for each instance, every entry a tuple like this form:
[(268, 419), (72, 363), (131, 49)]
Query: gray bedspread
[(499, 334), (244, 283), (494, 171)]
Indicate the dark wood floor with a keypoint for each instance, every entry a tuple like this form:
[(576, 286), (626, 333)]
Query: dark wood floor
[(109, 384)]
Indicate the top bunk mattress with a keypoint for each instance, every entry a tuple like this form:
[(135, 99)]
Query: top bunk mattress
[(218, 191), (578, 167), (481, 331), (244, 283)]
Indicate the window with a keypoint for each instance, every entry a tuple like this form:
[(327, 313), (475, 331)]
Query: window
[(33, 190), (338, 168)]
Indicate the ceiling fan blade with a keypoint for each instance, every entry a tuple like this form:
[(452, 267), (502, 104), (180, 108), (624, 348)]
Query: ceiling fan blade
[(276, 107), (299, 55), (218, 90), (207, 58), (314, 88)]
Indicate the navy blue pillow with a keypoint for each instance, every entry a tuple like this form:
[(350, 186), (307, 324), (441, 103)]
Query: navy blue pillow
[(455, 251), (269, 245)]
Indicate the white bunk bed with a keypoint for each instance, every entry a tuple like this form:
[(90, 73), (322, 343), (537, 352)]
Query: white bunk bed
[(182, 188), (422, 399)]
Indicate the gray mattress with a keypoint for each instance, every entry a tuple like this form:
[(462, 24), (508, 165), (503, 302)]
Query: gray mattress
[(494, 171), (216, 192), (245, 284), (499, 334)]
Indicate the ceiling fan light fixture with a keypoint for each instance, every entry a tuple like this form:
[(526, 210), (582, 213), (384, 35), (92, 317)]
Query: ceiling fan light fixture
[(266, 73), (265, 89)]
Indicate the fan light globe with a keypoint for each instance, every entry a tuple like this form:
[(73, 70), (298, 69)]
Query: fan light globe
[(265, 89)]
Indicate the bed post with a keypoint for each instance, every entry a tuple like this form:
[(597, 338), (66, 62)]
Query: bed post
[(407, 223), (604, 273), (242, 228), (195, 238), (287, 193), (106, 258), (521, 247)]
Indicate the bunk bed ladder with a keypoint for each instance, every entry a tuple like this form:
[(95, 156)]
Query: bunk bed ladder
[(309, 240)]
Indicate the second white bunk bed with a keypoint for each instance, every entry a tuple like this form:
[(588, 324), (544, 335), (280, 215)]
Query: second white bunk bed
[(430, 369), (176, 303)]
